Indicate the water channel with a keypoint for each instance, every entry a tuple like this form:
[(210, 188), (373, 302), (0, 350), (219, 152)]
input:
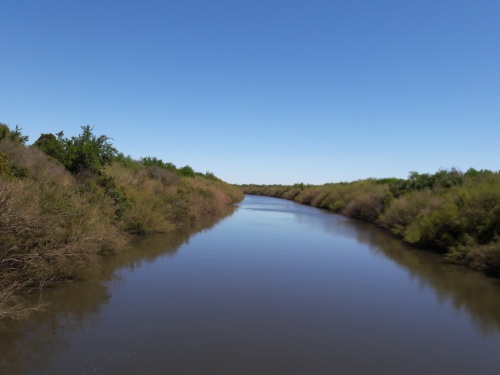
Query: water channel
[(274, 288)]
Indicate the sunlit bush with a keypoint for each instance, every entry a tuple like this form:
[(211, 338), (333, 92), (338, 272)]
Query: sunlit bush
[(450, 211)]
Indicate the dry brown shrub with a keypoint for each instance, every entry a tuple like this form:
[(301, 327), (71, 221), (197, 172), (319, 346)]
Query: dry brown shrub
[(291, 194), (308, 195), (40, 166), (486, 258), (367, 203), (318, 198), (49, 231)]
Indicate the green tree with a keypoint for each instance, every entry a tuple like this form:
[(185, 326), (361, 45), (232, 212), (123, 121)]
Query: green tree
[(52, 146), (15, 136), (186, 171), (87, 152)]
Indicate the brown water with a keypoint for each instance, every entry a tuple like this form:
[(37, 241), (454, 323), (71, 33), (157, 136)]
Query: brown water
[(276, 288)]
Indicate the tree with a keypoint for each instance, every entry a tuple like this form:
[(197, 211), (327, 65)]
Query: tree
[(186, 171), (15, 136), (86, 152), (52, 146)]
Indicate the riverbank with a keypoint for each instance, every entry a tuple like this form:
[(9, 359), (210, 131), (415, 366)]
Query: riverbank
[(65, 203), (456, 214)]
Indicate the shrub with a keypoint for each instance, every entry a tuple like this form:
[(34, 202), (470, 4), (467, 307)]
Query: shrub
[(401, 212), (14, 136), (126, 161), (86, 152), (368, 203), (155, 162), (52, 146), (211, 176), (485, 258), (186, 171), (4, 163)]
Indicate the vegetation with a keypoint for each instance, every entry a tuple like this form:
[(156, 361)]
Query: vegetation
[(83, 153), (455, 213), (66, 202)]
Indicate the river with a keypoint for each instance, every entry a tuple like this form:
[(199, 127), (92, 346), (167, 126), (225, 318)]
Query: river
[(274, 288)]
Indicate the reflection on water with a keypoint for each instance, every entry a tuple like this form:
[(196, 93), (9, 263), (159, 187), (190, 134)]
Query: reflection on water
[(468, 290), (28, 345), (278, 288)]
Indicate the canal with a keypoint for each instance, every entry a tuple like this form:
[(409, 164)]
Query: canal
[(275, 288)]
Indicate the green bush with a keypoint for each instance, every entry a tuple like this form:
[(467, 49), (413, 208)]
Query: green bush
[(15, 136), (186, 171), (52, 146), (86, 152), (155, 162)]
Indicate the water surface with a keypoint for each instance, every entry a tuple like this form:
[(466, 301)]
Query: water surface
[(276, 288)]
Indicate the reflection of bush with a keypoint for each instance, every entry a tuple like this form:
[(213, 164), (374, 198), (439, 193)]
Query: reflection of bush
[(453, 212), (467, 290), (71, 304), (66, 202)]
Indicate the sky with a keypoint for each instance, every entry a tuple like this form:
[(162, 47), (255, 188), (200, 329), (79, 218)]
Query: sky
[(262, 91)]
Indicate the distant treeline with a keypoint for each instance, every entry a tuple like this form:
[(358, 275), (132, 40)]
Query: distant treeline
[(455, 213), (65, 202)]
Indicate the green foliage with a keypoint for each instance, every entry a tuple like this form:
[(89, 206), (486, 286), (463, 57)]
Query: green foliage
[(417, 182), (186, 171), (211, 176), (4, 131), (87, 152), (440, 228), (127, 161), (155, 162), (52, 146), (15, 136), (116, 193)]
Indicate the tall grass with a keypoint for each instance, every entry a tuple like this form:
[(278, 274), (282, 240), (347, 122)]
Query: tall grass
[(49, 230)]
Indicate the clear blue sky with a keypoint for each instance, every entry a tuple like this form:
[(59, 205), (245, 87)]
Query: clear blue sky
[(262, 91)]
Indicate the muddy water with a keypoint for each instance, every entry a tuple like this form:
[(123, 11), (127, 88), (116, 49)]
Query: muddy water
[(275, 288)]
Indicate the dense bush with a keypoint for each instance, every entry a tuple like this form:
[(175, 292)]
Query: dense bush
[(455, 213), (49, 229), (12, 135), (87, 152), (66, 202), (186, 171), (155, 162)]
